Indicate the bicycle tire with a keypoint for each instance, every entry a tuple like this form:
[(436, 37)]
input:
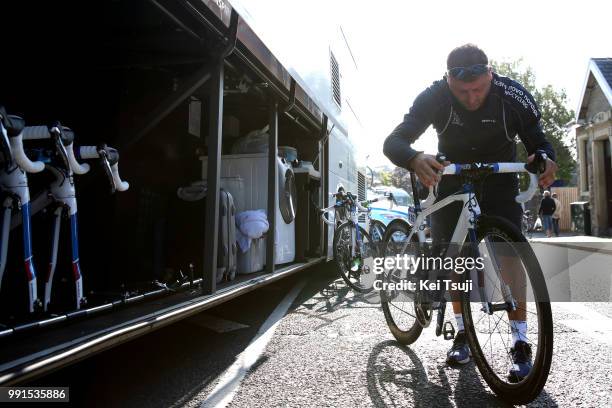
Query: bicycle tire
[(530, 387), (340, 259), (411, 332)]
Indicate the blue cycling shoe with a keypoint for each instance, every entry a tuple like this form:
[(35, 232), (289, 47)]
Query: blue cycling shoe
[(460, 352), (521, 358)]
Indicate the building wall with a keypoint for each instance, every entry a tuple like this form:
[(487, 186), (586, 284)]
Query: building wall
[(597, 103), (590, 160)]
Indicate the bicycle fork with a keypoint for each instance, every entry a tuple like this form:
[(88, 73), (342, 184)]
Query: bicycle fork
[(64, 192), (509, 303)]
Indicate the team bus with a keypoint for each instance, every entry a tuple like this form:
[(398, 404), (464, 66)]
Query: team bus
[(194, 112)]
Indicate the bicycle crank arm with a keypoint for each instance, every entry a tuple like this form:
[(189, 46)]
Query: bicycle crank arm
[(440, 319)]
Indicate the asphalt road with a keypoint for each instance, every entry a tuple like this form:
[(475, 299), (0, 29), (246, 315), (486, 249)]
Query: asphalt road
[(331, 349)]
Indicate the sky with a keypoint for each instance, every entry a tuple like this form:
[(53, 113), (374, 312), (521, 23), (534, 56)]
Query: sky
[(400, 48)]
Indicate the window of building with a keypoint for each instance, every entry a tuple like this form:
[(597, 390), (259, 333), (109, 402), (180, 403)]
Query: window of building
[(584, 165)]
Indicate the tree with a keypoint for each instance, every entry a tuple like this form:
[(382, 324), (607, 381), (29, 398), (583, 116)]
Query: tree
[(555, 114), (385, 178), (400, 178)]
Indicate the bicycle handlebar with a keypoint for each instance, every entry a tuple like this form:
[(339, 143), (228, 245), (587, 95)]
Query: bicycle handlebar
[(22, 159), (110, 158), (65, 135), (493, 168), (14, 131), (348, 195)]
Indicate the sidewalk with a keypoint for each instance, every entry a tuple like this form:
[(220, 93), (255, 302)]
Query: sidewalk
[(571, 240)]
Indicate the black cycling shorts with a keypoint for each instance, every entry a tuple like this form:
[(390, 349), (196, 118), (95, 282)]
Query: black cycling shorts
[(444, 221)]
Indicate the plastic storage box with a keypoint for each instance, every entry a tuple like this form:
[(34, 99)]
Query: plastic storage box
[(252, 260)]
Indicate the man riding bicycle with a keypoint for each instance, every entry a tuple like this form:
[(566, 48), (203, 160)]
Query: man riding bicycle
[(476, 114)]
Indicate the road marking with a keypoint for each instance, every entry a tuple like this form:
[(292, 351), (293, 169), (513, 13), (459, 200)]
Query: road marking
[(231, 379), (216, 324)]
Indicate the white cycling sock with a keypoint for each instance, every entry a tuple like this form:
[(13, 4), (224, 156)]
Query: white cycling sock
[(519, 331), (459, 319)]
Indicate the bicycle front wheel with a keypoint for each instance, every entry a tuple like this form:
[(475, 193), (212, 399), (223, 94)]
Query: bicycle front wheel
[(354, 256), (509, 290), (404, 313)]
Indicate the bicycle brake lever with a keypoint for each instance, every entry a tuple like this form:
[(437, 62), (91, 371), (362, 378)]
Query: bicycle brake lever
[(56, 134), (107, 168), (538, 165)]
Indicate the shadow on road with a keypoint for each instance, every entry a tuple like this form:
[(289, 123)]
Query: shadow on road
[(327, 293), (397, 378)]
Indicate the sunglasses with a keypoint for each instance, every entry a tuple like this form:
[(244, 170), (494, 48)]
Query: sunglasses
[(471, 72)]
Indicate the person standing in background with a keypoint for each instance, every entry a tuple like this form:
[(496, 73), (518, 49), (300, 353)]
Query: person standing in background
[(556, 215), (547, 209)]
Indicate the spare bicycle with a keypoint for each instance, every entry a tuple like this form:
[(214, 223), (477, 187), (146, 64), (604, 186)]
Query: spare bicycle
[(63, 163), (354, 248)]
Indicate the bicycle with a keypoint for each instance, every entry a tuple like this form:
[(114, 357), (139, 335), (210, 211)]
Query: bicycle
[(63, 163), (409, 309), (16, 198), (354, 248)]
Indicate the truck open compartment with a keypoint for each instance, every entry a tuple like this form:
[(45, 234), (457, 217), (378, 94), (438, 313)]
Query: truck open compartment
[(164, 82)]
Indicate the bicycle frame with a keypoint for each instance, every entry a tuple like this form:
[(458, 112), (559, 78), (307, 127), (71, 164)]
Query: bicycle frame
[(15, 182), (355, 208), (63, 192), (466, 223)]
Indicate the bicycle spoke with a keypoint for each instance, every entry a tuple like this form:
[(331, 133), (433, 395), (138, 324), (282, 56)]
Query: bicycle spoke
[(528, 342), (493, 329), (527, 311), (481, 317), (402, 310), (508, 355)]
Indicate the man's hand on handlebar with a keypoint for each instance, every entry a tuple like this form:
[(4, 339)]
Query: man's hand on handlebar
[(547, 177), (426, 168)]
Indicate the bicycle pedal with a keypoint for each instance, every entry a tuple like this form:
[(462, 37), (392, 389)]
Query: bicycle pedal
[(448, 331)]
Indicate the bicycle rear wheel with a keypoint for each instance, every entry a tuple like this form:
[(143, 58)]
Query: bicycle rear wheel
[(355, 269), (511, 274), (404, 313)]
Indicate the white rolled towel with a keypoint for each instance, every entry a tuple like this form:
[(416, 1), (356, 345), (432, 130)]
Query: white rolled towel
[(252, 224)]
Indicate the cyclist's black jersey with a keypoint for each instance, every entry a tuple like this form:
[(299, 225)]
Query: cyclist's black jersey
[(485, 135)]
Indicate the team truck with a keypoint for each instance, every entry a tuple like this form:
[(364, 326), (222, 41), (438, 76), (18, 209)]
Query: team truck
[(198, 99)]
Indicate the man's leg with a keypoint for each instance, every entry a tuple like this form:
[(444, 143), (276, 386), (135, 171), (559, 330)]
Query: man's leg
[(546, 224), (556, 226), (443, 223), (514, 275), (550, 223)]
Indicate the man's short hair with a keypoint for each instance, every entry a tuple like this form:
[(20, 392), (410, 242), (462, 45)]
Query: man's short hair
[(465, 56), (546, 193)]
